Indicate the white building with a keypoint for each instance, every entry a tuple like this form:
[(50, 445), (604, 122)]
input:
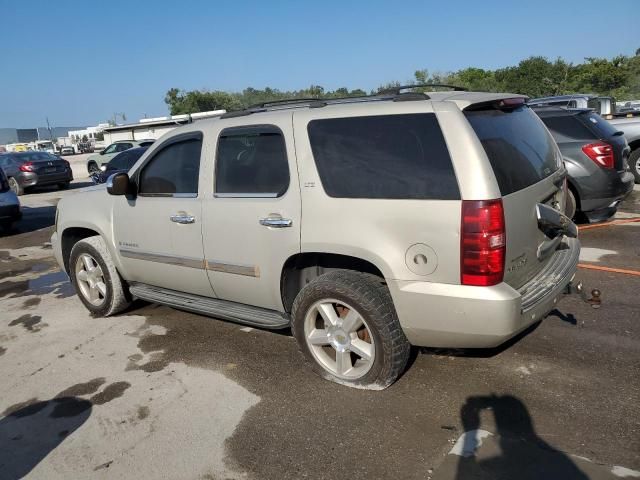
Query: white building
[(154, 128), (90, 132)]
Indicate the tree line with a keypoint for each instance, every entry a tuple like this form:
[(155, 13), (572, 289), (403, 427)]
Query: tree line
[(535, 76)]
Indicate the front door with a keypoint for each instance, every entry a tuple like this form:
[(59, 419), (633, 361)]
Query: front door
[(252, 220), (159, 233)]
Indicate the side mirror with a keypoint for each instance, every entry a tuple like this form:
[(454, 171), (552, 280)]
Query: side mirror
[(119, 184), (101, 152)]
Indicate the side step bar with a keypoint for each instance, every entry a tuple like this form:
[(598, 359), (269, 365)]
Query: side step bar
[(213, 307)]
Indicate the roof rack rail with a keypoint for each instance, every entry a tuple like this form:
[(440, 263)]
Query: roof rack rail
[(284, 101), (397, 90), (323, 102)]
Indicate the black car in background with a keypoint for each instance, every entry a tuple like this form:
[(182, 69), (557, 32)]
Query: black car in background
[(29, 169), (595, 154), (120, 163)]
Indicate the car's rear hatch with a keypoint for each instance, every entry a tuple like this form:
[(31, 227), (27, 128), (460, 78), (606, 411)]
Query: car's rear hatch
[(528, 168), (51, 166)]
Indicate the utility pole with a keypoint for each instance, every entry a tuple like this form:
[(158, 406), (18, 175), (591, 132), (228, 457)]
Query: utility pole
[(49, 128)]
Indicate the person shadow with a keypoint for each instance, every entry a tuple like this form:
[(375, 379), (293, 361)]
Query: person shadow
[(515, 451), (29, 432)]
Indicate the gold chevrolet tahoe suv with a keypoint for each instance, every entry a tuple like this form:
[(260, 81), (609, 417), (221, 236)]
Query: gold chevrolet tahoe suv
[(366, 225)]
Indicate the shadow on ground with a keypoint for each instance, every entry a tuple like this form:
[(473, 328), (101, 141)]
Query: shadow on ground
[(515, 451), (29, 432)]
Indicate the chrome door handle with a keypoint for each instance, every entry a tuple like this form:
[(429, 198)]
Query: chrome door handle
[(276, 222), (183, 218)]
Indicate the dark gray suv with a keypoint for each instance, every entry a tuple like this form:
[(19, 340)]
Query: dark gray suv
[(596, 157)]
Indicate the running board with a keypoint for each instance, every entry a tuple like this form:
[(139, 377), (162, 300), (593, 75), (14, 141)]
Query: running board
[(213, 307)]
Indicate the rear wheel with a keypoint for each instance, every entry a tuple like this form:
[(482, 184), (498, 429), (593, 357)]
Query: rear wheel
[(634, 164), (96, 279), (570, 207), (15, 186), (347, 328), (93, 168)]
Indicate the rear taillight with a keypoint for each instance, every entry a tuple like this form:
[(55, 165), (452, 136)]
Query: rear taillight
[(601, 153), (482, 242), (27, 167)]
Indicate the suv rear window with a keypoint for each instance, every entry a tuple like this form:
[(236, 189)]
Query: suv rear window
[(520, 149), (602, 128), (386, 156)]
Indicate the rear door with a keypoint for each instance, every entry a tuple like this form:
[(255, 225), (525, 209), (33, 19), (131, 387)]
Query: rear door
[(527, 166)]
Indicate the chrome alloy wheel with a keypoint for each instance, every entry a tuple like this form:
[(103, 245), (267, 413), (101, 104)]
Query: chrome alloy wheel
[(90, 279), (339, 339)]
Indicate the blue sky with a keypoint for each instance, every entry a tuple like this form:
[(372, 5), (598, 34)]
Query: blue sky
[(78, 62)]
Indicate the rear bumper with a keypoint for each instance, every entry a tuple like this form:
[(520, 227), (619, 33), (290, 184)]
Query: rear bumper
[(33, 179), (609, 198), (459, 316)]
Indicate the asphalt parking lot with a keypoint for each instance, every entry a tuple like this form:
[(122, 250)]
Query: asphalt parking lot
[(159, 393)]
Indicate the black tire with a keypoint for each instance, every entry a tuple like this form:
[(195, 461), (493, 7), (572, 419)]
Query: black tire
[(93, 168), (64, 185), (117, 296), (571, 206), (369, 295), (15, 186), (634, 164)]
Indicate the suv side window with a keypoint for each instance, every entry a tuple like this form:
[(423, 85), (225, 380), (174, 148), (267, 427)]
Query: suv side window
[(121, 147), (384, 156), (173, 170), (251, 161)]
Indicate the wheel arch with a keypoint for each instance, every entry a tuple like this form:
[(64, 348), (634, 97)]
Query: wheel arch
[(69, 237), (301, 268)]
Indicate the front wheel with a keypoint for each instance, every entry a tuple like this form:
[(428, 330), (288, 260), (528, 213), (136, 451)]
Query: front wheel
[(634, 164), (347, 328), (96, 279)]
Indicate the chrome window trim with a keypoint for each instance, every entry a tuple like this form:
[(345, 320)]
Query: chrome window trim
[(169, 195), (246, 195)]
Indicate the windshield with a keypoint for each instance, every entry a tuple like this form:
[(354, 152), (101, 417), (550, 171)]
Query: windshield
[(519, 147), (125, 160)]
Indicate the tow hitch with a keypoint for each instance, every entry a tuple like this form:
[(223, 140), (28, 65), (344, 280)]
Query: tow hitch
[(576, 288)]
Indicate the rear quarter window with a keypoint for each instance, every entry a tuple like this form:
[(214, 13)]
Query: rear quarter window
[(568, 128), (519, 148), (386, 156)]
